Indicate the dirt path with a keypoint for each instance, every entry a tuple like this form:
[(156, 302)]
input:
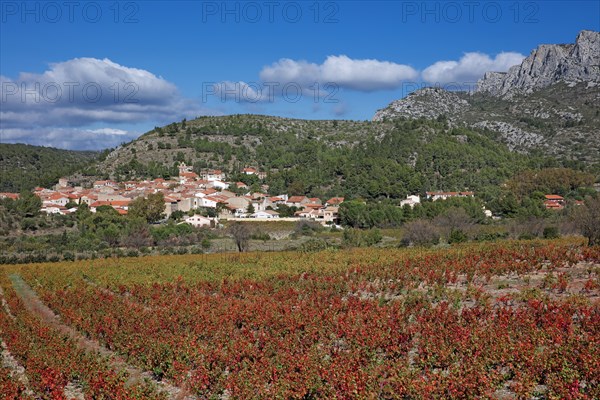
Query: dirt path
[(17, 371), (5, 305), (6, 358), (136, 375)]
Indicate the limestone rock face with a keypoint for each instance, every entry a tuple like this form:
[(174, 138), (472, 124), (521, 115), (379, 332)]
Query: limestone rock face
[(549, 64), (424, 103)]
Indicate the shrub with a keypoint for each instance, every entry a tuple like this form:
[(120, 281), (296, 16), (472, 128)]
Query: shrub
[(490, 236), (354, 237), (205, 243), (182, 250), (196, 250), (307, 228), (457, 236), (259, 235), (28, 224), (551, 232), (313, 245)]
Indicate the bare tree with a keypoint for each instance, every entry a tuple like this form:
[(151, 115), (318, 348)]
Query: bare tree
[(455, 218), (137, 237), (241, 235), (530, 227), (420, 232), (587, 218)]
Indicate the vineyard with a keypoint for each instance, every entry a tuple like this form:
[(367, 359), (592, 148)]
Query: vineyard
[(507, 320)]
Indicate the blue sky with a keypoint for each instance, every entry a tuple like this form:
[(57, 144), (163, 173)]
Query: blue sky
[(106, 72)]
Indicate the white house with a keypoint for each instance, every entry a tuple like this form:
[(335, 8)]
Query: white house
[(207, 201), (198, 220), (259, 206), (268, 214), (411, 201), (52, 208), (88, 199), (213, 175), (217, 184), (58, 198), (105, 184)]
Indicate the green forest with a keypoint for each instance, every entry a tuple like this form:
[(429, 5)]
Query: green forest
[(24, 167)]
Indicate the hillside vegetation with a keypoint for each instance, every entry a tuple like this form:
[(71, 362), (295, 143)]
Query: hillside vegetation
[(24, 167), (372, 160), (560, 121)]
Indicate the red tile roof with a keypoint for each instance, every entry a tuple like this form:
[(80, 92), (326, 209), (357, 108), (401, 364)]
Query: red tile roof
[(120, 203), (335, 200), (313, 205), (57, 196), (553, 205), (296, 199), (100, 203)]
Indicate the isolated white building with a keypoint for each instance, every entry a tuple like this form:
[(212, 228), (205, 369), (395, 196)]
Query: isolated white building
[(268, 214), (411, 201), (198, 221)]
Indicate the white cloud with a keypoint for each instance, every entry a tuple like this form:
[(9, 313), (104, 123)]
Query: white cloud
[(108, 131), (470, 67), (363, 75), (89, 83), (63, 101), (68, 138)]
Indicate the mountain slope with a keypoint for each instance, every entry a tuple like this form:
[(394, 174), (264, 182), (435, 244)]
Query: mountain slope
[(23, 167), (549, 103), (386, 159)]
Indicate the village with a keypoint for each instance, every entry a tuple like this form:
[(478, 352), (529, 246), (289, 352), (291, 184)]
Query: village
[(210, 194), (205, 199)]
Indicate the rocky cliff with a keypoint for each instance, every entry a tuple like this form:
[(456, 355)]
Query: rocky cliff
[(547, 65)]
